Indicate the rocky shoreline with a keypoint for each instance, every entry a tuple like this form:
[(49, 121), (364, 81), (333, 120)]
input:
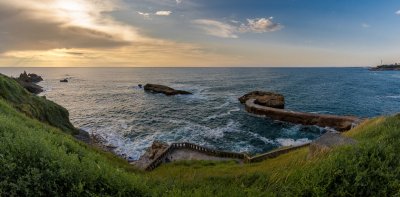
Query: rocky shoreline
[(257, 102)]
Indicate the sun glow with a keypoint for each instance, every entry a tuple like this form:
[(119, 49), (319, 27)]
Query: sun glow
[(71, 6)]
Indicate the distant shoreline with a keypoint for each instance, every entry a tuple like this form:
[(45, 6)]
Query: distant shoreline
[(386, 67)]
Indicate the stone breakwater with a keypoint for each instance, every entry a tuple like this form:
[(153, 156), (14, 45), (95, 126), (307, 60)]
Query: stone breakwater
[(339, 123)]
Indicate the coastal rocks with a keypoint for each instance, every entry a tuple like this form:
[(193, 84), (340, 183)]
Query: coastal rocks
[(28, 81), (155, 88), (151, 153), (268, 99), (30, 78), (329, 141), (64, 80)]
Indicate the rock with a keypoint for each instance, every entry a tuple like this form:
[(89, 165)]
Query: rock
[(31, 87), (30, 78), (329, 141), (163, 89), (83, 136), (154, 151), (28, 81), (267, 99), (140, 86), (64, 81)]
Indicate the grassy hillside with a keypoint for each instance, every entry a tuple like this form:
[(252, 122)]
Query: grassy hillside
[(34, 106), (39, 159)]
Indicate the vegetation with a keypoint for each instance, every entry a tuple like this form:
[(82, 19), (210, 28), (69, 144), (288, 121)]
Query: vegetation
[(34, 106), (39, 159)]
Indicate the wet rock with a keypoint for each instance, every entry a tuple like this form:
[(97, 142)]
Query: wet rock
[(267, 99), (155, 88), (154, 151), (64, 81), (140, 86), (329, 141)]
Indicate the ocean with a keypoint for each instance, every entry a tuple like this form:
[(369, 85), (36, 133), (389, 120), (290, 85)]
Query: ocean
[(108, 102)]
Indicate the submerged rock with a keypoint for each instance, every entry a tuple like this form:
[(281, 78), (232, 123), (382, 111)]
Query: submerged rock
[(267, 99), (329, 141), (155, 88)]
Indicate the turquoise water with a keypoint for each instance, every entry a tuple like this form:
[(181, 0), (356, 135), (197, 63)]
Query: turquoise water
[(107, 101)]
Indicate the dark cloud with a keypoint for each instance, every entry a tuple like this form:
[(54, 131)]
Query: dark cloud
[(20, 31)]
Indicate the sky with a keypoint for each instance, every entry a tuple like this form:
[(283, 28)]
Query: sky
[(199, 33)]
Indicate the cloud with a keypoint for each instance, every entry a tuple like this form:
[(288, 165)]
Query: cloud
[(232, 29), (144, 14), (82, 33), (179, 1), (216, 28), (398, 12), (49, 24), (163, 13), (365, 25), (260, 25)]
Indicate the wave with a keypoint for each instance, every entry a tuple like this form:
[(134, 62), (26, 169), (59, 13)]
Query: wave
[(292, 142), (393, 96), (215, 116)]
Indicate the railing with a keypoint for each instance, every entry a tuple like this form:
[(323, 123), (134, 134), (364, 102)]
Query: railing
[(216, 153), (276, 153)]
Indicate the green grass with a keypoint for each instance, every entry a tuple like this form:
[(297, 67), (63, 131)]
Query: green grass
[(34, 106), (37, 158)]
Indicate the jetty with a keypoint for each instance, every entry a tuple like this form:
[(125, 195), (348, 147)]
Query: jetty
[(338, 123)]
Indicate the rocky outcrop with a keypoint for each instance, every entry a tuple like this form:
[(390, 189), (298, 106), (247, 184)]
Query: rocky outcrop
[(28, 81), (151, 153), (268, 99), (155, 88), (30, 78), (329, 141), (339, 123)]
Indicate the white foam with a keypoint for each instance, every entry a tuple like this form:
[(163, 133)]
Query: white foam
[(222, 106), (394, 96), (292, 142), (215, 116)]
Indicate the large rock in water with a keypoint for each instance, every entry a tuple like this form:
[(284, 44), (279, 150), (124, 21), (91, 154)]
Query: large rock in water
[(163, 89), (268, 99), (329, 141), (28, 81), (30, 78)]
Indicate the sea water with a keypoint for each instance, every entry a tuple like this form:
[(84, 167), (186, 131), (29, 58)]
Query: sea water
[(108, 102)]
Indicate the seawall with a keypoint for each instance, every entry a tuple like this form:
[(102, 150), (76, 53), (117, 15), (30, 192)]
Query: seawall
[(339, 123)]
